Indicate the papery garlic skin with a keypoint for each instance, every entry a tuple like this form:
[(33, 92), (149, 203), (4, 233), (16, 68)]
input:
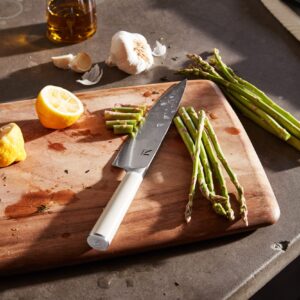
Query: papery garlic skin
[(130, 52), (159, 49), (91, 77), (62, 61)]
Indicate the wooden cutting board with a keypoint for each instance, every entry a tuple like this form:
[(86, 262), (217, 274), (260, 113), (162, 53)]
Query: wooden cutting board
[(50, 202)]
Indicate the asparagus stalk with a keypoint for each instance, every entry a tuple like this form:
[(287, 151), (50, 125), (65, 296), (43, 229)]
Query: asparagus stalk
[(232, 175), (196, 163), (215, 199), (215, 165), (114, 115), (281, 132), (293, 141), (216, 60), (293, 125), (231, 76), (203, 156), (123, 129), (110, 123), (128, 109), (142, 107), (205, 66), (245, 93)]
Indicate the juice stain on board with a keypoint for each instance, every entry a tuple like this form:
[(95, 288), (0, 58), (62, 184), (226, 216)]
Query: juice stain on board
[(232, 130), (59, 147), (33, 203)]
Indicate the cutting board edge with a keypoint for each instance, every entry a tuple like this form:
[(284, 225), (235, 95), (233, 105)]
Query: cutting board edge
[(94, 258)]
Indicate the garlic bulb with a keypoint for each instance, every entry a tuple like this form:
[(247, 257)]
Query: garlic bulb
[(130, 52), (62, 61)]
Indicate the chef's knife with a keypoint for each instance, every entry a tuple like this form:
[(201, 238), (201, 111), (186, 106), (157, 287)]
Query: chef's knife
[(135, 157)]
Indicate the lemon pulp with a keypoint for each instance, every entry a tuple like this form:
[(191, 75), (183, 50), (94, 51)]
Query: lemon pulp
[(58, 108)]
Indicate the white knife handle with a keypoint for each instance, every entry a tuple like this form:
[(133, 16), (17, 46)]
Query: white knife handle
[(107, 225)]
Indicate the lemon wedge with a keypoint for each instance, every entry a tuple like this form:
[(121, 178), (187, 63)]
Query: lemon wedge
[(11, 145), (57, 108)]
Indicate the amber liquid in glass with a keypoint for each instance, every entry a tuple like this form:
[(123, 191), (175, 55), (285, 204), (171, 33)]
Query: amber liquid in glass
[(71, 21)]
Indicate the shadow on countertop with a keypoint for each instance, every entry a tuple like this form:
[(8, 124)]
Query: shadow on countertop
[(25, 39), (122, 266), (27, 83)]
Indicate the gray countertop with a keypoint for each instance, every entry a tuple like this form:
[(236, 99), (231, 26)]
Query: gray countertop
[(256, 46)]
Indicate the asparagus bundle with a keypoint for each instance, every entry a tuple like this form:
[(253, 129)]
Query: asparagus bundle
[(124, 119), (200, 139), (250, 100)]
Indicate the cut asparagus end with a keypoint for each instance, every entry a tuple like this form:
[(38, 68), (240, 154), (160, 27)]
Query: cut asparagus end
[(114, 115), (123, 129), (128, 109), (110, 123)]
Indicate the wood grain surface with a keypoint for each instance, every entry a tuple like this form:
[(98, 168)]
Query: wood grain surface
[(49, 202)]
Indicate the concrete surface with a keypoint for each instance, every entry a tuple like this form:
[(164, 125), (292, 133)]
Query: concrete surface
[(256, 46)]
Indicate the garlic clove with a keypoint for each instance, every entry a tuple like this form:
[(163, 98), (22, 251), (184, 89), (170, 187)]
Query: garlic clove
[(130, 52), (62, 61), (159, 49), (81, 63)]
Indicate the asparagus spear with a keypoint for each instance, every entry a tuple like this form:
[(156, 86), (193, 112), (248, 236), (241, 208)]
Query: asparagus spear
[(143, 107), (110, 123), (123, 129), (196, 163), (287, 120), (281, 132), (182, 130), (293, 141), (215, 164), (231, 76), (114, 115), (203, 156), (233, 87), (216, 60), (232, 176), (128, 109)]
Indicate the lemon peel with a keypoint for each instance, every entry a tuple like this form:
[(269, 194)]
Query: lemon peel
[(11, 145), (57, 108)]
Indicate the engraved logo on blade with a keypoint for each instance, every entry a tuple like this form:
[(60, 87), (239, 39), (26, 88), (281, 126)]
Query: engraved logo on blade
[(146, 152)]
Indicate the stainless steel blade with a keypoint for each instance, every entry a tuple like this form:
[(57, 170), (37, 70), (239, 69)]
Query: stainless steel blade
[(138, 152)]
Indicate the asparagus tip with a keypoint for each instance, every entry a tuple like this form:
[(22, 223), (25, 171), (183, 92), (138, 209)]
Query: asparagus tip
[(188, 212)]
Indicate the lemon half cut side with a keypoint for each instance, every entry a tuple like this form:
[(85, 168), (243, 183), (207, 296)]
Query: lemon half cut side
[(11, 145), (57, 108)]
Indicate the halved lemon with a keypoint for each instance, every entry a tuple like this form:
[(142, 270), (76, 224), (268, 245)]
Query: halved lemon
[(57, 108), (11, 145)]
